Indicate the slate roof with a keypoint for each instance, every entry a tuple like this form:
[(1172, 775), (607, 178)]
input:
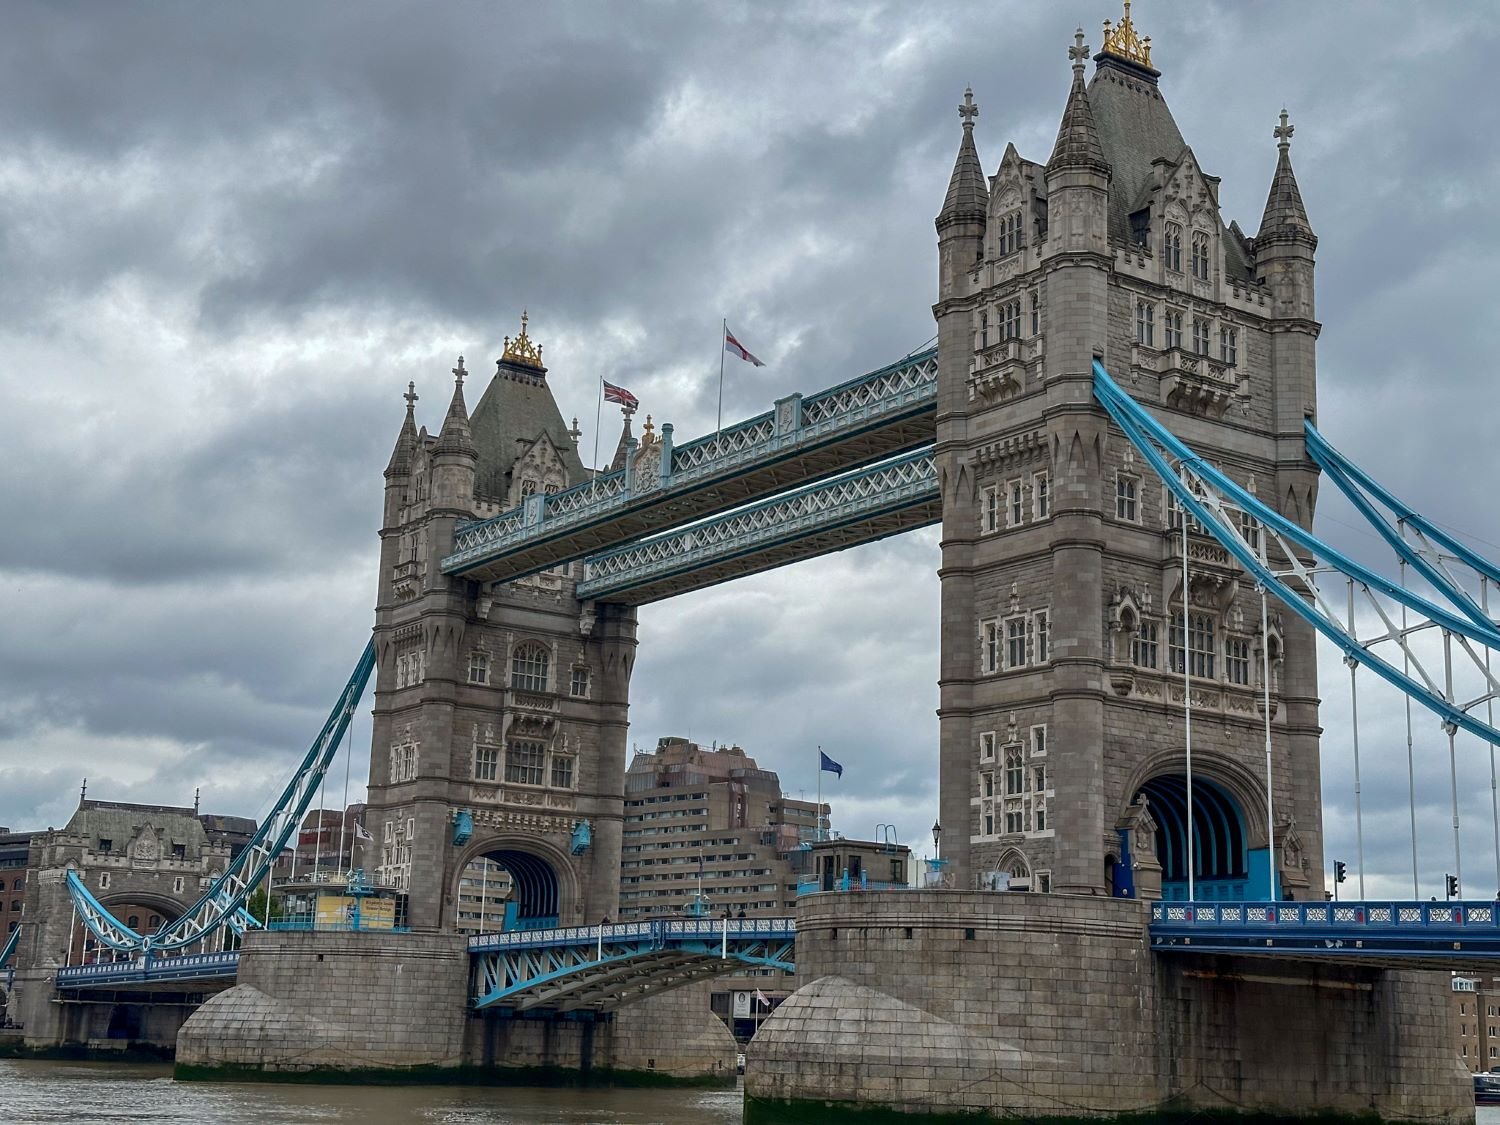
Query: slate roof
[(967, 198), (517, 408), (119, 822)]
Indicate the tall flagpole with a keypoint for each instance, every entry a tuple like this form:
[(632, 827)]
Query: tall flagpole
[(598, 414), (719, 425), (820, 793)]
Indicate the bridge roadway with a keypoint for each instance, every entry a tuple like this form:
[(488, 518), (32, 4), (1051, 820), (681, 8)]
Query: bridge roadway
[(801, 440)]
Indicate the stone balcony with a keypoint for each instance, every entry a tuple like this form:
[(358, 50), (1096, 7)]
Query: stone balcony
[(1000, 371), (1197, 384)]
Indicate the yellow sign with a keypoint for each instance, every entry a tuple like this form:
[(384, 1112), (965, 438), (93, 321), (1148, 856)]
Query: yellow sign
[(338, 912)]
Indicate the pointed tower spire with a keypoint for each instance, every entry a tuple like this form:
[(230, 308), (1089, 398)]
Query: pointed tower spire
[(1077, 139), (1284, 217), (622, 447), (968, 197), (455, 436), (406, 440)]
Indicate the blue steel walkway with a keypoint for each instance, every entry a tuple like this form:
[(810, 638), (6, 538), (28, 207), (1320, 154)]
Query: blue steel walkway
[(145, 972), (1407, 935), (799, 441), (600, 968)]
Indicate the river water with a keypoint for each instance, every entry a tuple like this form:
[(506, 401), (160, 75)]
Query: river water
[(44, 1093)]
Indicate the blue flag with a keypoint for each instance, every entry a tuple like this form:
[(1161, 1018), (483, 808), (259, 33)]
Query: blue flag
[(828, 765)]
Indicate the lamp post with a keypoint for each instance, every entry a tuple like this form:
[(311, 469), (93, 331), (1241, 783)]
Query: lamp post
[(937, 837)]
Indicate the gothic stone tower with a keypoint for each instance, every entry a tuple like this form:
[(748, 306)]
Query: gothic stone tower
[(1062, 745), (500, 708)]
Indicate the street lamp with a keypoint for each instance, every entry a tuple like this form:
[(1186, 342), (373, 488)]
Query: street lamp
[(937, 837)]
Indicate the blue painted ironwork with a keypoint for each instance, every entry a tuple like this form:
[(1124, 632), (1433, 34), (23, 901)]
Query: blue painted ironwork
[(10, 946), (798, 426), (1218, 503), (222, 904), (603, 967), (583, 836), (1437, 933), (144, 968), (907, 484), (463, 827)]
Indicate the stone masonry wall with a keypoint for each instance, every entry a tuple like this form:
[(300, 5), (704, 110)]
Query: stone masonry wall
[(306, 1001), (1014, 1005)]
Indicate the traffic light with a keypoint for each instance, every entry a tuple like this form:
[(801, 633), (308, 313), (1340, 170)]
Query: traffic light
[(1339, 873), (1452, 886)]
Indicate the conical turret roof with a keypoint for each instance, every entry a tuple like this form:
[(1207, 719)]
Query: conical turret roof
[(406, 440), (1284, 214), (968, 196), (1077, 143), (455, 436)]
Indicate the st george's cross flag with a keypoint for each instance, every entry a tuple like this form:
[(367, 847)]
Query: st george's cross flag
[(613, 393), (734, 347)]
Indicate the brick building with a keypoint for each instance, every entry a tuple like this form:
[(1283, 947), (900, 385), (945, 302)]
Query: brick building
[(15, 869)]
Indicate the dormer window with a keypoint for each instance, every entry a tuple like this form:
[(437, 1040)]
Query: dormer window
[(1171, 247), (1200, 255), (1140, 228), (1010, 233)]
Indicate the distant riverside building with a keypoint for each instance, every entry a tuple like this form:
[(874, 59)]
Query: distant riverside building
[(15, 870), (484, 889), (1476, 1019), (710, 822), (327, 841)]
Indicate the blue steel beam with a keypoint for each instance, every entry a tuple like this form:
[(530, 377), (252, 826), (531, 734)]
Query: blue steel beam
[(145, 971), (801, 440), (222, 904), (1436, 935), (10, 946), (1215, 502), (599, 968), (833, 515)]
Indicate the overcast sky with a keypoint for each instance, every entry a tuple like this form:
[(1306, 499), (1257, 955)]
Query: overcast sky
[(231, 233)]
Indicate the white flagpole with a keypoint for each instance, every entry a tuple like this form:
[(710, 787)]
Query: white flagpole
[(723, 336), (598, 414)]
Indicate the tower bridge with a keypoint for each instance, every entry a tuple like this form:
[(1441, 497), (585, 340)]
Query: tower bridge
[(1118, 433)]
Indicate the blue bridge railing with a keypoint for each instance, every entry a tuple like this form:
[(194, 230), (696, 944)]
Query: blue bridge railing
[(1456, 932), (149, 970)]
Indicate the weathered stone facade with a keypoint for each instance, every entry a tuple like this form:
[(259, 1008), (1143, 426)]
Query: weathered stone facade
[(505, 701), (1025, 1006), (1062, 574)]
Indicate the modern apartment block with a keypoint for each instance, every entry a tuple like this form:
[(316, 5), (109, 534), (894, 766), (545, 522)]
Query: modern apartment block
[(709, 826)]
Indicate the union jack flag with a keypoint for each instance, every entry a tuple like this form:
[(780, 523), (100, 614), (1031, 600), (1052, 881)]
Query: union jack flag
[(613, 393)]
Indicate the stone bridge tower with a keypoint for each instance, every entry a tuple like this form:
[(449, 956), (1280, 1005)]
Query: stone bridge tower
[(500, 708), (1065, 620)]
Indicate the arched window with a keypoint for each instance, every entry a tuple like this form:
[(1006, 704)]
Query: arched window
[(528, 487), (1172, 247), (528, 667), (154, 921), (1200, 255), (134, 921)]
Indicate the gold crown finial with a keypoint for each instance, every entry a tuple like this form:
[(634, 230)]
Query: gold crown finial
[(1121, 40), (521, 350)]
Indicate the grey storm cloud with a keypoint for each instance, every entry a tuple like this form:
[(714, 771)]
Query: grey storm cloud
[(228, 239)]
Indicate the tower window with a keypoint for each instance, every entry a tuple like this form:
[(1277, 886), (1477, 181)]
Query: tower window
[(1200, 335), (1229, 341), (1145, 324), (989, 639), (1200, 645), (1171, 325), (1015, 773), (486, 763), (1237, 660), (1171, 248), (1041, 496), (1127, 497), (1039, 741), (990, 519), (1010, 233), (528, 667), (562, 772), (984, 328), (1017, 503), (528, 488), (1143, 646), (987, 746), (1010, 320), (524, 762), (1036, 314), (1015, 642), (479, 668), (1042, 637), (579, 688), (1200, 255)]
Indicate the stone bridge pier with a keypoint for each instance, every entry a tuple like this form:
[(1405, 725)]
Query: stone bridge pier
[(1021, 1005)]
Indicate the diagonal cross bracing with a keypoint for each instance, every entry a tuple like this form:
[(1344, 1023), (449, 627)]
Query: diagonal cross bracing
[(223, 904), (835, 514), (600, 968), (801, 440), (1411, 633)]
